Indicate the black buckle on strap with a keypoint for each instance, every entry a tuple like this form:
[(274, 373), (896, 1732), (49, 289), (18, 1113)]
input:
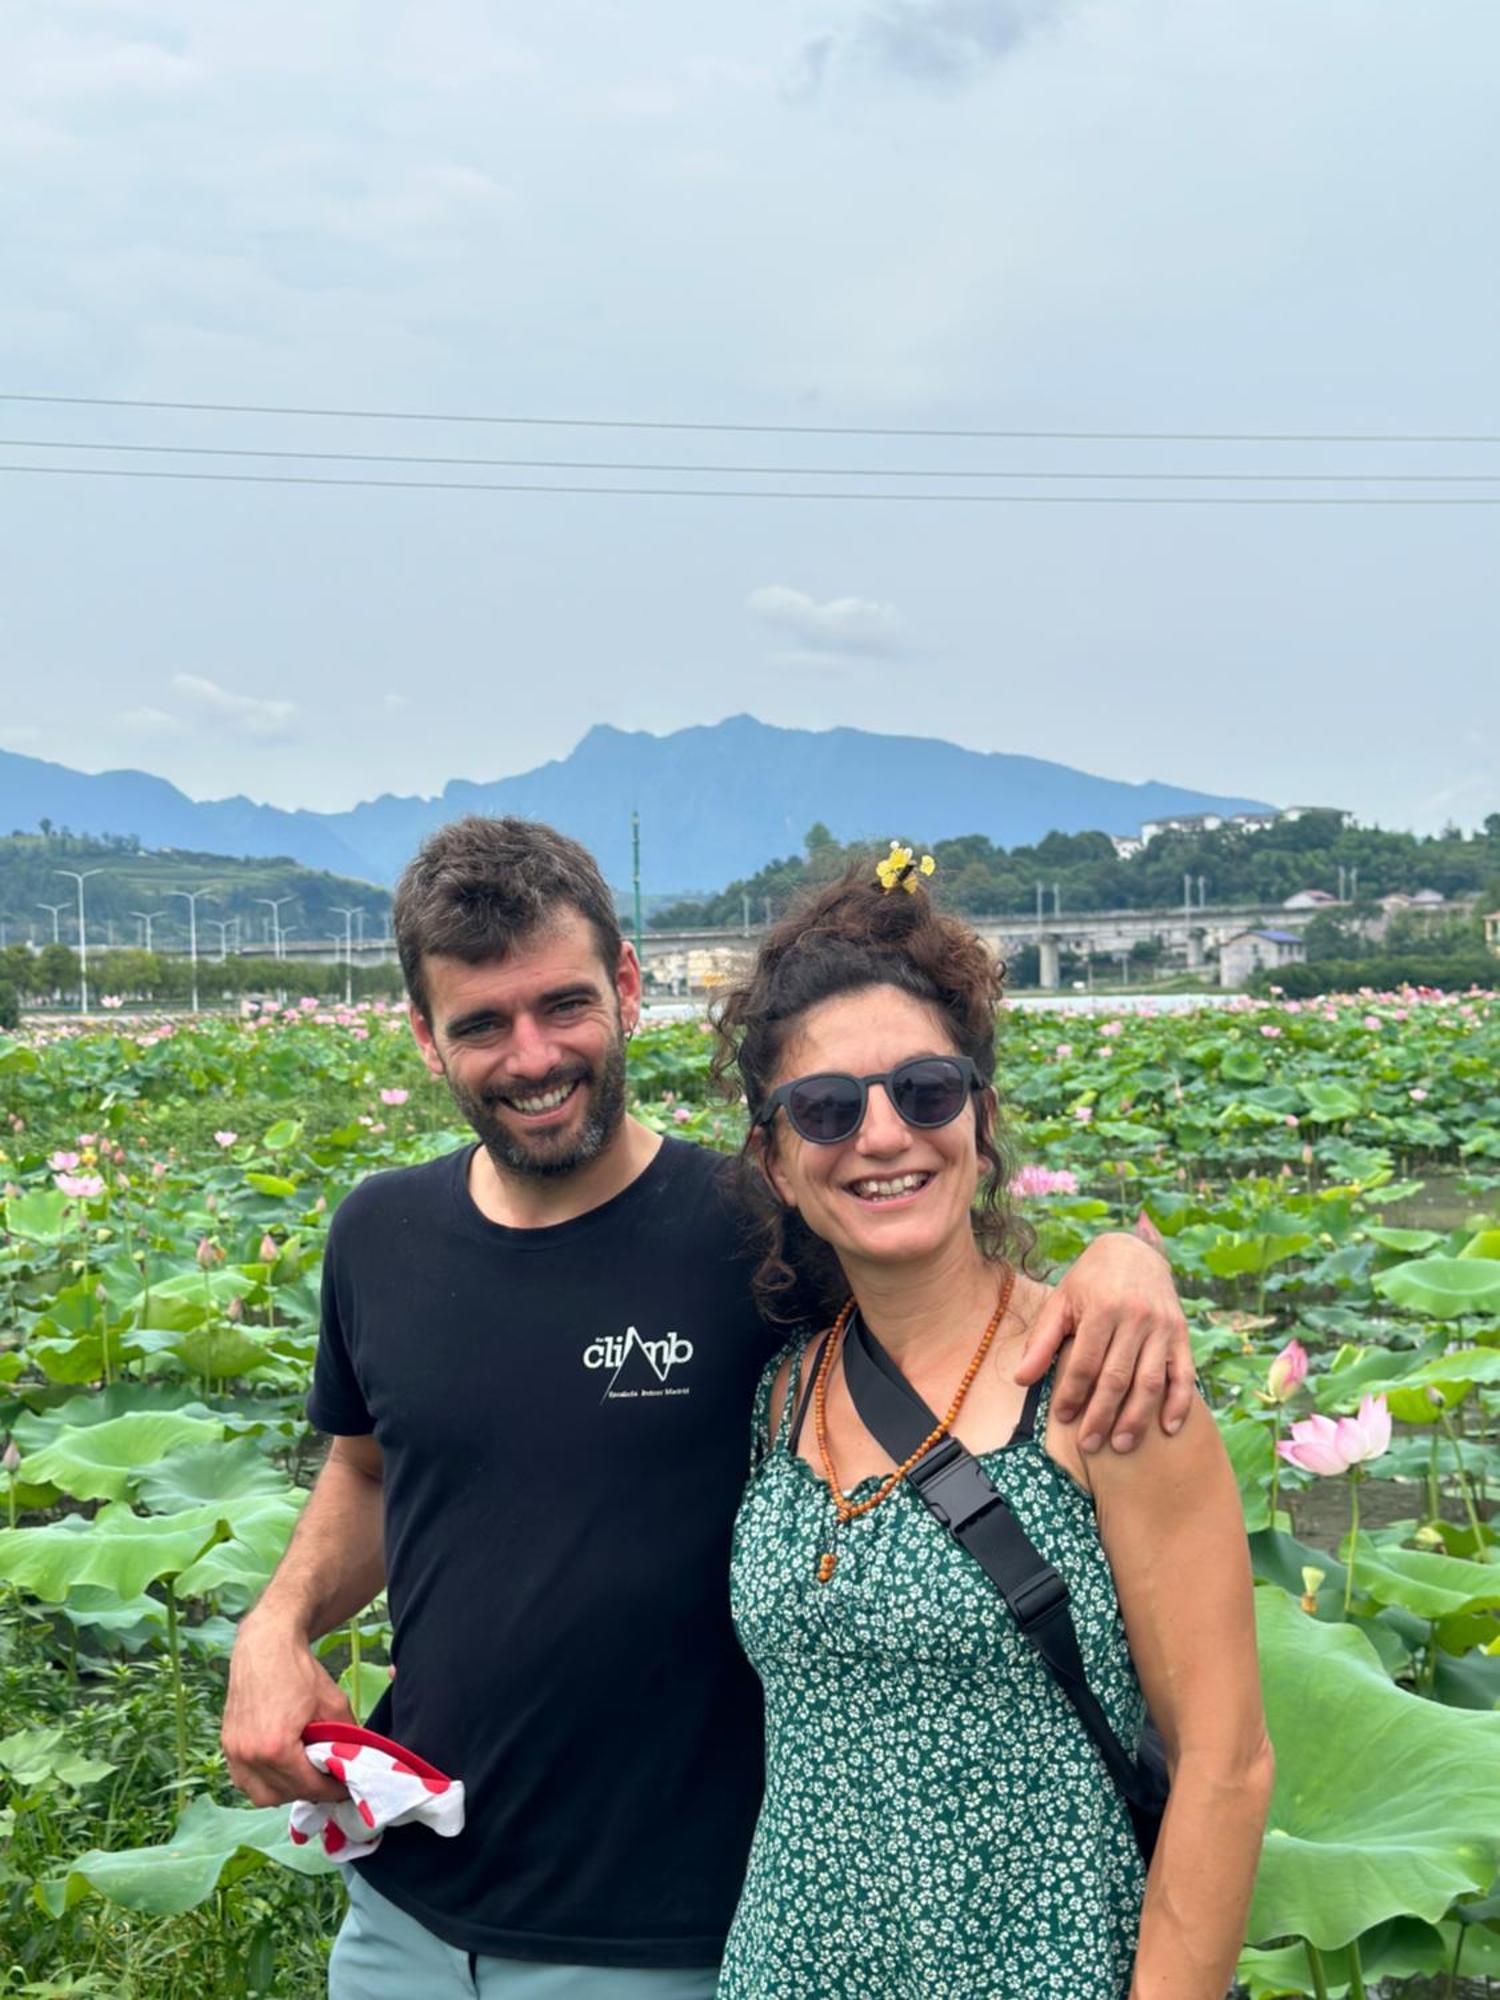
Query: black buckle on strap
[(951, 1482), (1038, 1597)]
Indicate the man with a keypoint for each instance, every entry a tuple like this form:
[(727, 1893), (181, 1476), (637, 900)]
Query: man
[(537, 1362)]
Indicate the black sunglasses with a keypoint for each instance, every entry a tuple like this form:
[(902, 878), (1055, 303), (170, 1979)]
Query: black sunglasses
[(826, 1109)]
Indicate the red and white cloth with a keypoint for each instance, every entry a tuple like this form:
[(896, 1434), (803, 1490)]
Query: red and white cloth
[(388, 1786)]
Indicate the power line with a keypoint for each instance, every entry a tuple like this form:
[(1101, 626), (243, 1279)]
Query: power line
[(767, 493), (768, 471), (758, 430)]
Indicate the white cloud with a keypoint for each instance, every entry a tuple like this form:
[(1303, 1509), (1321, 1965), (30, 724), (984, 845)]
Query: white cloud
[(838, 625), (266, 721), (934, 41), (152, 723)]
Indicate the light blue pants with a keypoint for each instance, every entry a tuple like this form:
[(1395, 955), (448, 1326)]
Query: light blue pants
[(383, 1954)]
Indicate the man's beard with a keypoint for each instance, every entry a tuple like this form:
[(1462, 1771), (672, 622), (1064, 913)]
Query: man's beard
[(549, 1155)]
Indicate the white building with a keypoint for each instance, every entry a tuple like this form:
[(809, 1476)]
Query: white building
[(1249, 952), (1309, 899)]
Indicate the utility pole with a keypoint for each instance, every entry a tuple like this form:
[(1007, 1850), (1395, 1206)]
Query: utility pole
[(348, 916), (191, 898), (223, 925), (1202, 892), (56, 909), (1057, 899), (80, 876), (147, 918), (635, 851), (745, 911)]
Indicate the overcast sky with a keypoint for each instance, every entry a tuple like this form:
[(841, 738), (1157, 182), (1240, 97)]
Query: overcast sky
[(1107, 215)]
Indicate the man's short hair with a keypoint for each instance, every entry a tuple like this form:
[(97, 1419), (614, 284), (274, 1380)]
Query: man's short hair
[(478, 886)]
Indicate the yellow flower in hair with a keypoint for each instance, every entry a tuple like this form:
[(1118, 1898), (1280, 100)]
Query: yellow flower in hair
[(900, 869)]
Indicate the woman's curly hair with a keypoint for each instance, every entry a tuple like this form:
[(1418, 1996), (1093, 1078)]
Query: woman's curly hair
[(842, 938)]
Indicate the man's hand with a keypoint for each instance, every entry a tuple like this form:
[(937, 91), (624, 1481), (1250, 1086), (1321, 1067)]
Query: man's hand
[(1131, 1361), (276, 1688)]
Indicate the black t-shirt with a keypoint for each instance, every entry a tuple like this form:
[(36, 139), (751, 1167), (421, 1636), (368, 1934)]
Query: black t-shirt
[(564, 1419)]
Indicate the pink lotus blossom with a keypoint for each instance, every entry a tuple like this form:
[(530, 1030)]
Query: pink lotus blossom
[(80, 1187), (88, 1138), (1063, 1051), (1032, 1180), (1287, 1372), (1418, 1095), (1320, 1445), (394, 1096), (111, 1000), (225, 1139), (158, 1170), (63, 1163), (682, 1115), (1084, 1113), (1292, 1121), (1269, 1032), (1372, 1021), (1112, 1028)]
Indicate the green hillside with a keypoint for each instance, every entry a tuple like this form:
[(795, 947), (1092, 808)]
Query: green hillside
[(131, 879)]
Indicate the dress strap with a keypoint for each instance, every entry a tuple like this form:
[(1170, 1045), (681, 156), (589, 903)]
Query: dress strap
[(795, 1431), (1034, 1409)]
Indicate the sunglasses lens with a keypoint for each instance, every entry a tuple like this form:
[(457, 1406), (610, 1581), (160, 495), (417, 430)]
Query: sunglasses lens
[(930, 1091), (825, 1109)]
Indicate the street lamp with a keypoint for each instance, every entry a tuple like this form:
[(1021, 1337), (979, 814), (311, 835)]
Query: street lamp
[(80, 876), (348, 916), (273, 904), (191, 898), (224, 925), (148, 918), (56, 909)]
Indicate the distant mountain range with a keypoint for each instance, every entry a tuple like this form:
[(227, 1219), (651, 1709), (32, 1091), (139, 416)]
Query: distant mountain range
[(715, 803)]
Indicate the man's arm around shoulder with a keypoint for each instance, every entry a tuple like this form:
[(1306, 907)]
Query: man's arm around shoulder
[(333, 1567)]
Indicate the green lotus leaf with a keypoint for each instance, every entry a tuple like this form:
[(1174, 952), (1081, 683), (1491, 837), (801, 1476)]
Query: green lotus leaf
[(1247, 1254), (262, 1527), (119, 1550), (1433, 1586), (1411, 1242), (1251, 1453), (273, 1185), (1329, 1103), (213, 1847), (1443, 1287), (1385, 1805), (210, 1473), (1485, 1244), (100, 1461), (217, 1351), (42, 1216)]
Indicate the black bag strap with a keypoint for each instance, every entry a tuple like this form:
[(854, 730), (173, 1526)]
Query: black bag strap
[(955, 1487)]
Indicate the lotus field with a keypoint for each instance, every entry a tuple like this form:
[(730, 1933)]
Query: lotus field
[(1325, 1179)]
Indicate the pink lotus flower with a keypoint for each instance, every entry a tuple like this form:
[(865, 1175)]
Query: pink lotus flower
[(1320, 1445), (63, 1163), (111, 1000), (1032, 1179), (1270, 1033), (1417, 1096), (394, 1096), (1112, 1028), (80, 1187), (1063, 1051), (682, 1115), (1084, 1113), (268, 1250), (1287, 1372), (225, 1139)]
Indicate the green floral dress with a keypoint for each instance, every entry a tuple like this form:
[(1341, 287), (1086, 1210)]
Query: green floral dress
[(937, 1825)]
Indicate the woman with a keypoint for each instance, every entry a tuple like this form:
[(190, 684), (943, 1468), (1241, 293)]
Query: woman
[(937, 1822)]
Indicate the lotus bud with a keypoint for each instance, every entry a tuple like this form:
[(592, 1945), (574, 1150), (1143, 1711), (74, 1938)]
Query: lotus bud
[(268, 1249), (1287, 1372), (1312, 1583), (10, 1458), (320, 1204), (208, 1253), (211, 1203), (1427, 1537), (235, 1311)]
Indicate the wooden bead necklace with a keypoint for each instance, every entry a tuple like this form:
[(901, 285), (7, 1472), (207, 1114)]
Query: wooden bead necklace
[(850, 1510)]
